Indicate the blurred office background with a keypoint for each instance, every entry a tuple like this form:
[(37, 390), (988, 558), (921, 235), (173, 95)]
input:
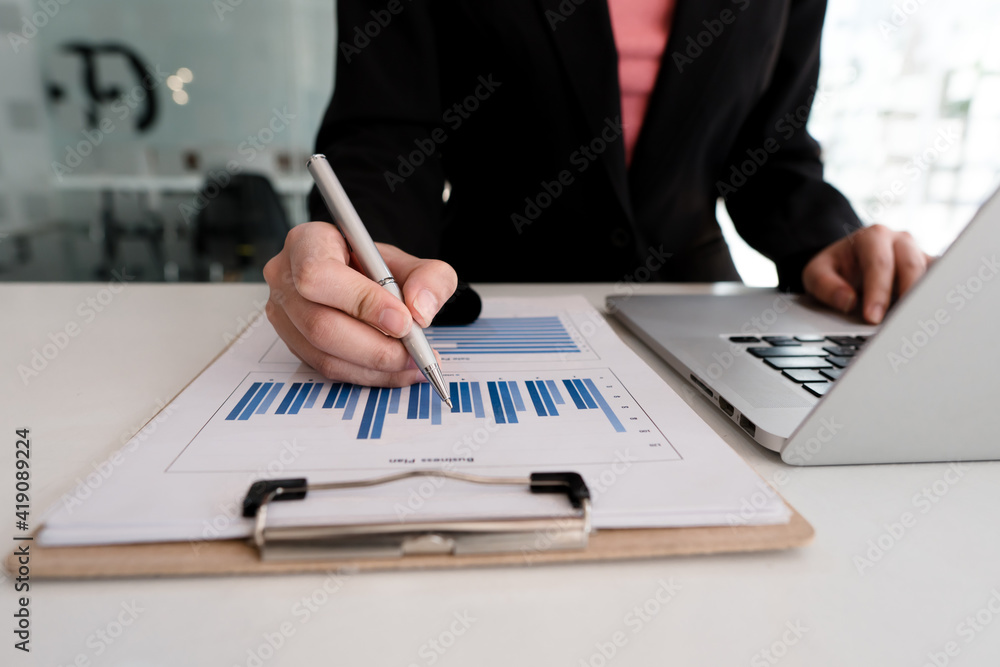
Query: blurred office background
[(170, 137), (166, 137)]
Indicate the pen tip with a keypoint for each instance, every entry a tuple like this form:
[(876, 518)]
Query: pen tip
[(449, 403)]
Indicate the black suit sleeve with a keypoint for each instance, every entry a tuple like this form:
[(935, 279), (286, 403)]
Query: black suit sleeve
[(385, 105), (785, 209)]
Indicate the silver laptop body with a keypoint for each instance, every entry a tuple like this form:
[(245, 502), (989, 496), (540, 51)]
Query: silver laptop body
[(924, 387)]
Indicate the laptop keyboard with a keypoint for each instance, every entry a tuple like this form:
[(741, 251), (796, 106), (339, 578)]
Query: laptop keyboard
[(813, 361)]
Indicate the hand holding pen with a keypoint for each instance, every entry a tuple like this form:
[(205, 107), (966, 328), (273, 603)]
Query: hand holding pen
[(327, 312)]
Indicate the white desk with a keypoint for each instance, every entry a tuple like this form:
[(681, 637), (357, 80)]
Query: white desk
[(149, 340)]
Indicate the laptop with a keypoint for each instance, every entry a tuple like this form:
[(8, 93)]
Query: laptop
[(821, 388)]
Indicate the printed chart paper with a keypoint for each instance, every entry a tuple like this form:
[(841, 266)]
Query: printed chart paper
[(537, 384)]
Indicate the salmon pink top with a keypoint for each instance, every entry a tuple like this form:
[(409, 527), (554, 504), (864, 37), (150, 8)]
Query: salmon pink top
[(641, 29)]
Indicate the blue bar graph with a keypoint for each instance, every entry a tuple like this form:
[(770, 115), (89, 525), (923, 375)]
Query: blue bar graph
[(270, 398), (503, 335), (584, 394), (435, 406), (243, 401), (345, 393), (608, 412), (311, 399), (300, 398), (495, 400), (536, 400), (477, 401), (369, 414), (551, 384), (414, 404), (370, 406), (515, 394), (550, 407), (424, 403), (352, 401), (289, 397), (573, 394), (425, 400), (331, 397), (465, 396), (508, 404), (255, 401), (384, 399)]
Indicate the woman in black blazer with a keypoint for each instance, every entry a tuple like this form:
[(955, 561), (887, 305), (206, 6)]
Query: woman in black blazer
[(515, 104)]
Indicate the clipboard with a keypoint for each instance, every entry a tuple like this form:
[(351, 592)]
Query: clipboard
[(555, 545), (372, 547)]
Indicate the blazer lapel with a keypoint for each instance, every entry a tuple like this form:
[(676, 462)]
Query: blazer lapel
[(585, 43)]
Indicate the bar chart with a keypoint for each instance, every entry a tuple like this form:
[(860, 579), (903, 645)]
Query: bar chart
[(501, 401), (493, 339), (581, 416), (504, 335)]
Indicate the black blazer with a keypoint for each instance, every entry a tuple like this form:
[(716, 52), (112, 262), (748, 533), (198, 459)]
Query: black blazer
[(502, 98)]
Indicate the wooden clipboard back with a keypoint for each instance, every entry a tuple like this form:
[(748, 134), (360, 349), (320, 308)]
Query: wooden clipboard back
[(238, 557)]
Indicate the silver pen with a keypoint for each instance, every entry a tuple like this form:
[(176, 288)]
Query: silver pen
[(368, 256)]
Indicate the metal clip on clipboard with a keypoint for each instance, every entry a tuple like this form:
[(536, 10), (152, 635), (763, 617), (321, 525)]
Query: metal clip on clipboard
[(388, 540)]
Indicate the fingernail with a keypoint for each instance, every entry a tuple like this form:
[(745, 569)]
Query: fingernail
[(844, 300), (393, 322), (875, 313), (427, 305)]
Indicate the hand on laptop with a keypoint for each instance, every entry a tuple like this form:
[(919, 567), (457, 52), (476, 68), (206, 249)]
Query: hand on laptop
[(875, 263), (330, 315)]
